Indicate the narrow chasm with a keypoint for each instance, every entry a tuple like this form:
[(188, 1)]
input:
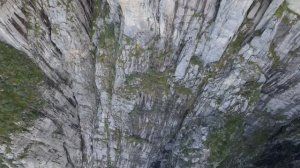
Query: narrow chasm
[(149, 84)]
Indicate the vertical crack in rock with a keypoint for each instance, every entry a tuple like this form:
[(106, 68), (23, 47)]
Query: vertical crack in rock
[(47, 23), (70, 163)]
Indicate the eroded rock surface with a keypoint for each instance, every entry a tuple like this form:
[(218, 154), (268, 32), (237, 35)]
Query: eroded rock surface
[(159, 84)]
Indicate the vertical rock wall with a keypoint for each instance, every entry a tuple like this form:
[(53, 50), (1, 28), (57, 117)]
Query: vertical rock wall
[(160, 83)]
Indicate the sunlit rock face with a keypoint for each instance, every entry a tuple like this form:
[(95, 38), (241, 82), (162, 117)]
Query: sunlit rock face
[(157, 83), (294, 6)]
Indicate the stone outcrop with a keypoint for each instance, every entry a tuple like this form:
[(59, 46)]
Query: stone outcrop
[(159, 84)]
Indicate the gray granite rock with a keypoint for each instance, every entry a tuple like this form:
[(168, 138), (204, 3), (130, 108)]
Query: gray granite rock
[(159, 83)]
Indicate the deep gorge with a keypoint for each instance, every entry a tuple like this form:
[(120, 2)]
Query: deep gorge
[(149, 84)]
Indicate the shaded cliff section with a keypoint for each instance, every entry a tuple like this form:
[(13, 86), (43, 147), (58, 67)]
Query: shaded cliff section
[(159, 83), (45, 31)]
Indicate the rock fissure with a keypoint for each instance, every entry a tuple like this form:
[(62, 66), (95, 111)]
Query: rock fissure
[(152, 84)]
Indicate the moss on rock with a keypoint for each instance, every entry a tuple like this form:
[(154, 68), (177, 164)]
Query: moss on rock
[(277, 63), (222, 141), (252, 91), (196, 61), (20, 100), (151, 82), (183, 90), (282, 8)]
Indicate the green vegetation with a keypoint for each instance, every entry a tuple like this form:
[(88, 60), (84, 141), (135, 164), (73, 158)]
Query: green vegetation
[(107, 37), (127, 39), (135, 139), (222, 141), (151, 82), (183, 90), (282, 8), (20, 101), (196, 61), (286, 20), (137, 51), (2, 164), (135, 113), (32, 23), (109, 46), (67, 4), (235, 45), (251, 91), (36, 28), (108, 135), (231, 147), (158, 57), (280, 12), (259, 137), (95, 15), (55, 29), (58, 3), (232, 48), (248, 23), (101, 10), (117, 135), (277, 63), (258, 32), (196, 15)]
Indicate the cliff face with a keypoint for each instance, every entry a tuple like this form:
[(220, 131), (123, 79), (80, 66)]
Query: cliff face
[(158, 83)]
